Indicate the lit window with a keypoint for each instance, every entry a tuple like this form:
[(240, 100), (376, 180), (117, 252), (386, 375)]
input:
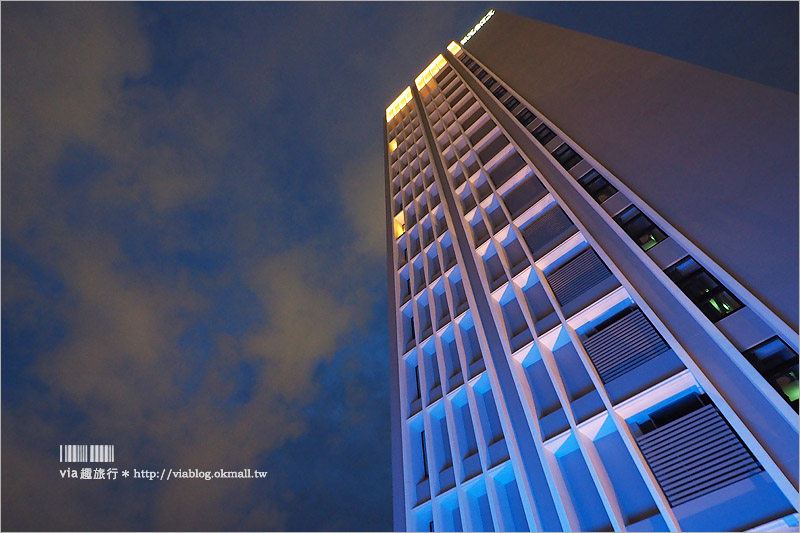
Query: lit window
[(779, 366), (454, 48), (428, 74), (640, 228), (392, 145), (399, 225), (713, 299), (398, 104)]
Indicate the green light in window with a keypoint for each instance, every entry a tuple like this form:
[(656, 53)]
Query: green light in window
[(792, 390), (727, 307), (713, 302), (649, 243)]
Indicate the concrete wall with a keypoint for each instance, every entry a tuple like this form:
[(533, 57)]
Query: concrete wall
[(715, 155)]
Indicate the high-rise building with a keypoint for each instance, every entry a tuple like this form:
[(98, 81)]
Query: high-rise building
[(592, 261)]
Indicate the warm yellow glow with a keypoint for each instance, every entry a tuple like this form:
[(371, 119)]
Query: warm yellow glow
[(428, 74), (392, 145), (399, 225), (398, 104), (454, 48)]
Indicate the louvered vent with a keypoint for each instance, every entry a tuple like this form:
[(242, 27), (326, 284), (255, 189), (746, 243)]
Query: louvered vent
[(624, 345), (696, 454), (576, 277), (548, 231)]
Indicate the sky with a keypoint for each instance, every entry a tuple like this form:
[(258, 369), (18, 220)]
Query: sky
[(193, 255)]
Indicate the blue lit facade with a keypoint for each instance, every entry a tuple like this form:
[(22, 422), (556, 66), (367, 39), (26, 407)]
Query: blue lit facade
[(564, 358)]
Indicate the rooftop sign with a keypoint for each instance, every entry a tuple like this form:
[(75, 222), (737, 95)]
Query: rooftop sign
[(478, 26)]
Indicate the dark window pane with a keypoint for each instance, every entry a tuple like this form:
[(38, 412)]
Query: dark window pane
[(500, 92), (492, 149), (525, 116), (566, 156), (597, 186), (543, 134), (511, 103), (441, 75)]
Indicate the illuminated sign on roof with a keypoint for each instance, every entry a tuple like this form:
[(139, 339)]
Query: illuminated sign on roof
[(478, 26)]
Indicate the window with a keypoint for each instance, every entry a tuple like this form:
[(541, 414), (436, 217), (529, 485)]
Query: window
[(489, 82), (597, 186), (481, 74), (424, 454), (499, 92), (566, 156), (714, 300), (640, 228), (779, 366), (543, 134), (525, 116), (511, 103)]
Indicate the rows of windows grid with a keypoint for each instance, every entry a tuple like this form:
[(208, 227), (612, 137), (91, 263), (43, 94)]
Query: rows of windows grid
[(512, 268), (451, 164), (569, 161), (490, 419), (466, 448), (445, 89), (779, 367)]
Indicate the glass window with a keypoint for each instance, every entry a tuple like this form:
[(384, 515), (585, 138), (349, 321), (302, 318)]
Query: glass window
[(713, 299), (511, 103), (566, 156), (597, 186), (640, 228), (779, 366), (525, 116), (500, 92), (543, 134)]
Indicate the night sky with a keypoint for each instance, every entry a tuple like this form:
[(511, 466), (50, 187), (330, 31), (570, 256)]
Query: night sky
[(193, 256)]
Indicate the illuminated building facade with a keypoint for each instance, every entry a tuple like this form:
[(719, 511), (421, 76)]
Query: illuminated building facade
[(592, 264)]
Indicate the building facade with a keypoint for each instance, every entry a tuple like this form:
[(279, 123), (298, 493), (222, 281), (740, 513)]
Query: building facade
[(576, 343)]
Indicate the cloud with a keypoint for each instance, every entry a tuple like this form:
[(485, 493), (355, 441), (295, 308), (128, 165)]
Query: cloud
[(305, 319), (175, 177), (361, 187)]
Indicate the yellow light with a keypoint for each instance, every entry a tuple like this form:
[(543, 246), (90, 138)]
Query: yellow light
[(399, 225), (454, 48), (398, 104), (393, 145), (428, 74)]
